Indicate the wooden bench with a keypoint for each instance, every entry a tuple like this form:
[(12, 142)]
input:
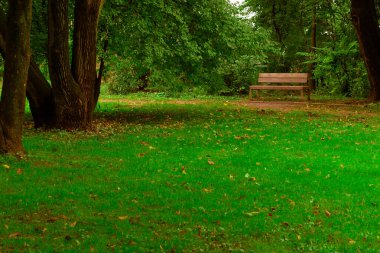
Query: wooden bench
[(282, 78)]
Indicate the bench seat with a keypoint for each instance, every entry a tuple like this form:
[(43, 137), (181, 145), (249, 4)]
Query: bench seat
[(272, 87)]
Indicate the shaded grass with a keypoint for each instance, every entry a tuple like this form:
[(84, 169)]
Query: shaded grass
[(200, 177)]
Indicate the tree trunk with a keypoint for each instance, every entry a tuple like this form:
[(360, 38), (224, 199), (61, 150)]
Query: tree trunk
[(364, 18), (84, 53), (312, 83), (70, 112), (17, 57), (38, 90), (40, 97)]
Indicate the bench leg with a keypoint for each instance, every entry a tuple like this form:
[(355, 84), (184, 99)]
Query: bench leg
[(257, 94), (302, 94), (250, 94)]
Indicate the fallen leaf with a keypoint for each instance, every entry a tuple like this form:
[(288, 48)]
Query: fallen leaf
[(52, 219), (183, 170), (123, 217), (252, 213), (19, 171), (291, 202), (208, 190), (327, 213), (6, 166), (73, 224), (307, 170), (211, 162), (351, 242), (14, 235)]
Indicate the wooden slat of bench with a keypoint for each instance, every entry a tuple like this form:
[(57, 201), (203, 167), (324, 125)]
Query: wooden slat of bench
[(283, 87), (282, 80), (284, 75)]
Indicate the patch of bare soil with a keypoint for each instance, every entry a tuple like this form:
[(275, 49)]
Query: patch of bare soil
[(332, 107)]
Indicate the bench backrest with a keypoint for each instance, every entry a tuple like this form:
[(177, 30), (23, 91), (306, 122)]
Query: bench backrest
[(283, 78)]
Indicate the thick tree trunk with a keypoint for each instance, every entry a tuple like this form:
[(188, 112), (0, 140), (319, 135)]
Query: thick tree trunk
[(17, 57), (38, 90), (70, 109), (364, 18), (84, 53)]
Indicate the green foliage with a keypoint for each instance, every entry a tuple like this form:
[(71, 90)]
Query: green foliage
[(183, 46), (39, 32), (207, 176), (338, 70), (289, 23), (252, 50)]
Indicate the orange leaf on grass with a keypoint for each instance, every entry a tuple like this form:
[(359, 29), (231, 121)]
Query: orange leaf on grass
[(14, 235)]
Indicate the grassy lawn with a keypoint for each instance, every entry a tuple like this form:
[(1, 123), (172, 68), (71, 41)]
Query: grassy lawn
[(193, 177)]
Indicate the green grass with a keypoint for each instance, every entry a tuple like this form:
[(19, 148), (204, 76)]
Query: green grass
[(206, 177)]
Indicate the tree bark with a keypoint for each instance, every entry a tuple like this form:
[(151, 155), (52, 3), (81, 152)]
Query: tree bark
[(17, 57), (364, 18), (40, 97), (68, 98), (38, 90), (86, 16), (312, 83)]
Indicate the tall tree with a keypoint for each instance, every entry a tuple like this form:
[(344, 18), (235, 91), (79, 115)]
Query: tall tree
[(365, 20), (86, 18), (12, 105), (38, 90), (75, 89), (66, 92)]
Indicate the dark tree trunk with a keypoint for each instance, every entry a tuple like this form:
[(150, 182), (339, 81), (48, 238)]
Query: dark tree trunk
[(313, 47), (84, 53), (38, 90), (40, 97), (364, 18), (17, 57), (70, 109)]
